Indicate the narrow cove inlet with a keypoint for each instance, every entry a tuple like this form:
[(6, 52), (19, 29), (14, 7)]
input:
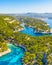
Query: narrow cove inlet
[(24, 36), (31, 31), (14, 57)]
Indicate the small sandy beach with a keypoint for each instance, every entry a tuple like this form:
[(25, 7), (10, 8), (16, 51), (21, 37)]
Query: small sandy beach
[(5, 52)]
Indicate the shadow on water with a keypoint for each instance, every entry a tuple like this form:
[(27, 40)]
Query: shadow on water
[(44, 59)]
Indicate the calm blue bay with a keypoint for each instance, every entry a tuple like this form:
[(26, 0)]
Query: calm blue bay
[(31, 31), (14, 57)]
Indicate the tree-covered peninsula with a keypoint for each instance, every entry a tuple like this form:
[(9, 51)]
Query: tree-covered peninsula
[(37, 24), (38, 49)]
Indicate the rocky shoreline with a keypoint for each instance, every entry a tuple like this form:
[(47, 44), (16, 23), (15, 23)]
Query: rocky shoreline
[(21, 46)]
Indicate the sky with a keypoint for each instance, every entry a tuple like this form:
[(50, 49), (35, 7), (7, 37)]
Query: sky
[(25, 6)]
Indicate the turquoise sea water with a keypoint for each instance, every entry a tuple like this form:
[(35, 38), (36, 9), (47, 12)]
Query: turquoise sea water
[(31, 31), (14, 57)]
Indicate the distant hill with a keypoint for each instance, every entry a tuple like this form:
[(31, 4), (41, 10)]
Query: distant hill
[(37, 15), (34, 15)]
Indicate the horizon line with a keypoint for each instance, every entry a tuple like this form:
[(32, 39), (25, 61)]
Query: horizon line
[(29, 13)]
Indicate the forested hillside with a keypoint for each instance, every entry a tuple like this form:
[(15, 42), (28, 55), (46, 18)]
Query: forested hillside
[(37, 24), (8, 25), (38, 48)]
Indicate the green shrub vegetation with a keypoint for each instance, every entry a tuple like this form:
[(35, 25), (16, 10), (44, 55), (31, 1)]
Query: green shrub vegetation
[(8, 25), (3, 46), (39, 49), (37, 24)]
